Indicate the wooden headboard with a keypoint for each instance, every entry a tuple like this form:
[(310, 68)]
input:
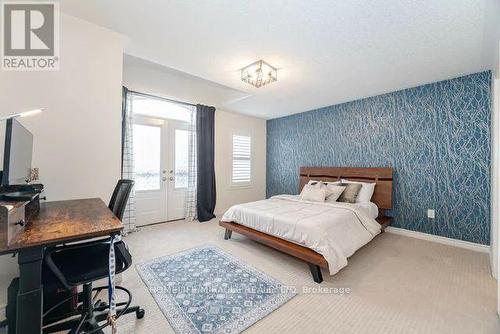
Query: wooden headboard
[(381, 176)]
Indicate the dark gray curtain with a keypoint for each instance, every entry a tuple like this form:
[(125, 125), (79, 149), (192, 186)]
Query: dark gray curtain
[(128, 219), (124, 120), (205, 134)]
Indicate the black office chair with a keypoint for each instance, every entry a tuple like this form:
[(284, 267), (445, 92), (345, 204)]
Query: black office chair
[(120, 196), (81, 264)]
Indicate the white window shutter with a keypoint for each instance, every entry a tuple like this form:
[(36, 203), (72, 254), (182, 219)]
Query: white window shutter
[(242, 160)]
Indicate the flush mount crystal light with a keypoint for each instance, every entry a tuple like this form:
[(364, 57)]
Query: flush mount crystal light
[(259, 74)]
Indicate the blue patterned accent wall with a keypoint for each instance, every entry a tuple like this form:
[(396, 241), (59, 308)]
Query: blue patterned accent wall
[(436, 137)]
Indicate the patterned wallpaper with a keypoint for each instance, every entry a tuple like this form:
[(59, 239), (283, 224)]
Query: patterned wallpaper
[(436, 137)]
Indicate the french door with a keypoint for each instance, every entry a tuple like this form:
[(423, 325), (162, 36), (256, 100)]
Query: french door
[(161, 167)]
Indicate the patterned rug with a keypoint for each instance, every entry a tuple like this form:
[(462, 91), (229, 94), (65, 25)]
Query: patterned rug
[(205, 290)]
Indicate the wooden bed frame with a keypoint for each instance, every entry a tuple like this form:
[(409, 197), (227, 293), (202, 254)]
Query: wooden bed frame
[(382, 197)]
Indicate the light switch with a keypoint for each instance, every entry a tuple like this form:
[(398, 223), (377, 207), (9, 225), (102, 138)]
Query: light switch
[(431, 213)]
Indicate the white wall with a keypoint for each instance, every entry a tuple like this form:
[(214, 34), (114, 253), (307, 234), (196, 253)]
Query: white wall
[(496, 166), (77, 141), (491, 56), (226, 124), (495, 186), (145, 77), (495, 141), (495, 173)]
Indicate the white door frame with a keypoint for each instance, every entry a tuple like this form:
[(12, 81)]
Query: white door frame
[(169, 200), (176, 197), (160, 195)]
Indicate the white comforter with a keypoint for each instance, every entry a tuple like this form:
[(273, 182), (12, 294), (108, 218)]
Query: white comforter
[(334, 230)]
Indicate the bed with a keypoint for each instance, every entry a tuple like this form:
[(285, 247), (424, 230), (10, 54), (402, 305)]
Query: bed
[(323, 235)]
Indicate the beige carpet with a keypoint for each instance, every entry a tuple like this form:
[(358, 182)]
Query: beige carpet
[(398, 285)]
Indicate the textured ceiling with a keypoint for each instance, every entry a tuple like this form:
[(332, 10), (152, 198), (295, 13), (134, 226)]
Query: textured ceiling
[(327, 52)]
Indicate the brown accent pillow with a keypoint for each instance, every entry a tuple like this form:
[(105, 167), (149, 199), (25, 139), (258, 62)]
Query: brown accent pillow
[(350, 193)]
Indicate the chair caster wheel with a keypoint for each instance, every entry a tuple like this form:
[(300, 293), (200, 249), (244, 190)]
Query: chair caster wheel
[(140, 313)]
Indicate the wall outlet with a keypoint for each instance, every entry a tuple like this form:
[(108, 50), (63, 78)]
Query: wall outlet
[(431, 213)]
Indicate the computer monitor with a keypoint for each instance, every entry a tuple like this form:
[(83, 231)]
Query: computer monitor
[(17, 154)]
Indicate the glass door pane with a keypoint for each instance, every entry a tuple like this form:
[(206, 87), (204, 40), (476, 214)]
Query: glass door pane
[(147, 157)]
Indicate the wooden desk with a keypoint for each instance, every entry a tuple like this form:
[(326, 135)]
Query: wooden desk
[(57, 222)]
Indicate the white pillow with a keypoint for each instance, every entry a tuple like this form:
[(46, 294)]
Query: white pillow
[(366, 192), (313, 193), (335, 192), (326, 186)]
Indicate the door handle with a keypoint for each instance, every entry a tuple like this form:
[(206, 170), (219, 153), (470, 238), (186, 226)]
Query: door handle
[(164, 178), (171, 178)]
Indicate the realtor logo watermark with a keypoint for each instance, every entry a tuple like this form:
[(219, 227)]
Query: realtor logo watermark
[(30, 32)]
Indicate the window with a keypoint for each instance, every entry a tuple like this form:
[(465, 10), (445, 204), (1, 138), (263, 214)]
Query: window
[(158, 108), (147, 157), (242, 161)]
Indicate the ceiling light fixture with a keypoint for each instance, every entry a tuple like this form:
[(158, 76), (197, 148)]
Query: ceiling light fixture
[(259, 74)]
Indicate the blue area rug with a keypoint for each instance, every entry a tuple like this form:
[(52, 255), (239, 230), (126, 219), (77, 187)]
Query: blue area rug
[(205, 290)]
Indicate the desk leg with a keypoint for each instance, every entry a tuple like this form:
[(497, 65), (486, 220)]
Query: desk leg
[(30, 296)]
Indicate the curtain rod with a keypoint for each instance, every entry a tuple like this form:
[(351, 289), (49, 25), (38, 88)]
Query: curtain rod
[(161, 98)]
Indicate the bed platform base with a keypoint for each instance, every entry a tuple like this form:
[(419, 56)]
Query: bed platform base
[(314, 260)]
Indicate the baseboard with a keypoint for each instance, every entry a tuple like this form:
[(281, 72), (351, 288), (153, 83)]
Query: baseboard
[(442, 240)]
